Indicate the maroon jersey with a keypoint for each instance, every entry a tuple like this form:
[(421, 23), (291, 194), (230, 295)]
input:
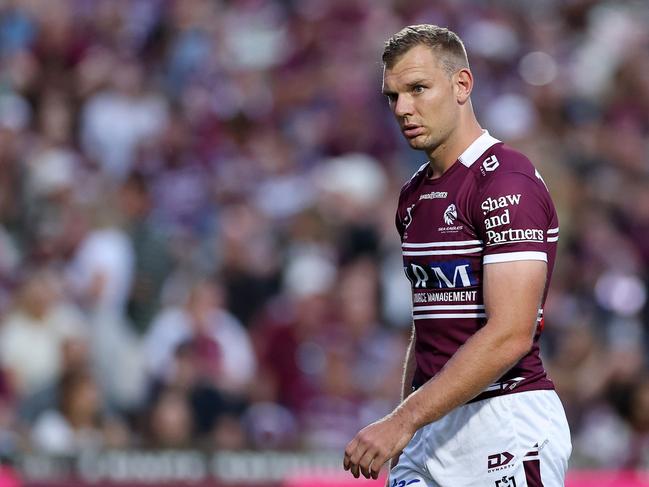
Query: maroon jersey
[(490, 206)]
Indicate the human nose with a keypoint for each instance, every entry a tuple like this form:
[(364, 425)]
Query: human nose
[(403, 106)]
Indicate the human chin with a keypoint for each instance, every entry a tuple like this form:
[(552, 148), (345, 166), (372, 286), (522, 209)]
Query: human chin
[(418, 143)]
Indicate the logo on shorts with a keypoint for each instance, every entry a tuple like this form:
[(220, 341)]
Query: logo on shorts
[(499, 461), (403, 483), (506, 482)]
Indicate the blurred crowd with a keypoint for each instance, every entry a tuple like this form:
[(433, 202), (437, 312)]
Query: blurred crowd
[(197, 198)]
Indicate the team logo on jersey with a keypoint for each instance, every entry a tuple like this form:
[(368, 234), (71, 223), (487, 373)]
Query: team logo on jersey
[(491, 163), (506, 482), (450, 214), (408, 219)]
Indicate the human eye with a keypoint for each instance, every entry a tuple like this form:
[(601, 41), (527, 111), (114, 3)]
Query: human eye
[(418, 89)]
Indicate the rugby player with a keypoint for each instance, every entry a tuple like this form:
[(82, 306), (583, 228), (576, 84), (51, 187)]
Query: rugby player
[(479, 234)]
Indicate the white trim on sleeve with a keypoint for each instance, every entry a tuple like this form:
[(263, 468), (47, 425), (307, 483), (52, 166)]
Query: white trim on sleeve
[(513, 256)]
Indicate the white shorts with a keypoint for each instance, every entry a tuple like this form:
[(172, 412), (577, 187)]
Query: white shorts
[(517, 440)]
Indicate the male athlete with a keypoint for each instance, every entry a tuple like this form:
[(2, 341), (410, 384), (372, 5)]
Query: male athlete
[(479, 233)]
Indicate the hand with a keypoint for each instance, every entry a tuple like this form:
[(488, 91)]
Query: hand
[(377, 443)]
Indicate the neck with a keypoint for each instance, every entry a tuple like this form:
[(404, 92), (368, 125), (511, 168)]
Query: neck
[(442, 157)]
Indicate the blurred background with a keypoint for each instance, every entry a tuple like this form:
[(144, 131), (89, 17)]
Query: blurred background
[(197, 247)]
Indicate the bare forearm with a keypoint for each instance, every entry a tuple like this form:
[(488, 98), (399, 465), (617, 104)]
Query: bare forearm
[(484, 358), (408, 368)]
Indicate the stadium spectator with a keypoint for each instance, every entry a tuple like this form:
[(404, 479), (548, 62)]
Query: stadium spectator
[(78, 424), (222, 349), (34, 334)]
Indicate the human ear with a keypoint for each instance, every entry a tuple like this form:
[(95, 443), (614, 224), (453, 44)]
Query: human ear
[(463, 85)]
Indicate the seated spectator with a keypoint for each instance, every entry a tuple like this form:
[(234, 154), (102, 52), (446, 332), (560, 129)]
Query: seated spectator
[(78, 424), (221, 344), (33, 335), (211, 410), (169, 421)]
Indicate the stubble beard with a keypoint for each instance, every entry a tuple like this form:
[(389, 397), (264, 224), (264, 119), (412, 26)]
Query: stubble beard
[(423, 142)]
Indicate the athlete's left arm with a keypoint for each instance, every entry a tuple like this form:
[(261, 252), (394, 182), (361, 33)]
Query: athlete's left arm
[(512, 293)]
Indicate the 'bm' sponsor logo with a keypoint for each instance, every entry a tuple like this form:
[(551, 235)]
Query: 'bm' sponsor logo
[(499, 461), (439, 276)]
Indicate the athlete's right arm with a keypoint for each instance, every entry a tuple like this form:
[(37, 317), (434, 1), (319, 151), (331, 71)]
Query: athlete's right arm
[(409, 366)]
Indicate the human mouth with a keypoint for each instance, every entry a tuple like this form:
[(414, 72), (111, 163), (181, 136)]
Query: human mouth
[(411, 131)]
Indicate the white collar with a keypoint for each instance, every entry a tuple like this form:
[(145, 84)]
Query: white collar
[(478, 147)]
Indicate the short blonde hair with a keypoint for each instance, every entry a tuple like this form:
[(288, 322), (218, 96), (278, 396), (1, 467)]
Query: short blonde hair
[(440, 39)]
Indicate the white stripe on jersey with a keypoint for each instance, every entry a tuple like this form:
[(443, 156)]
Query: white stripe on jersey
[(458, 307), (459, 243), (449, 315), (552, 230), (513, 242), (512, 256), (553, 239), (447, 307), (443, 252)]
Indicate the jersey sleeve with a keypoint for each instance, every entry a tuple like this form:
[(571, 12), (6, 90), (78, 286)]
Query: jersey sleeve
[(514, 217)]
